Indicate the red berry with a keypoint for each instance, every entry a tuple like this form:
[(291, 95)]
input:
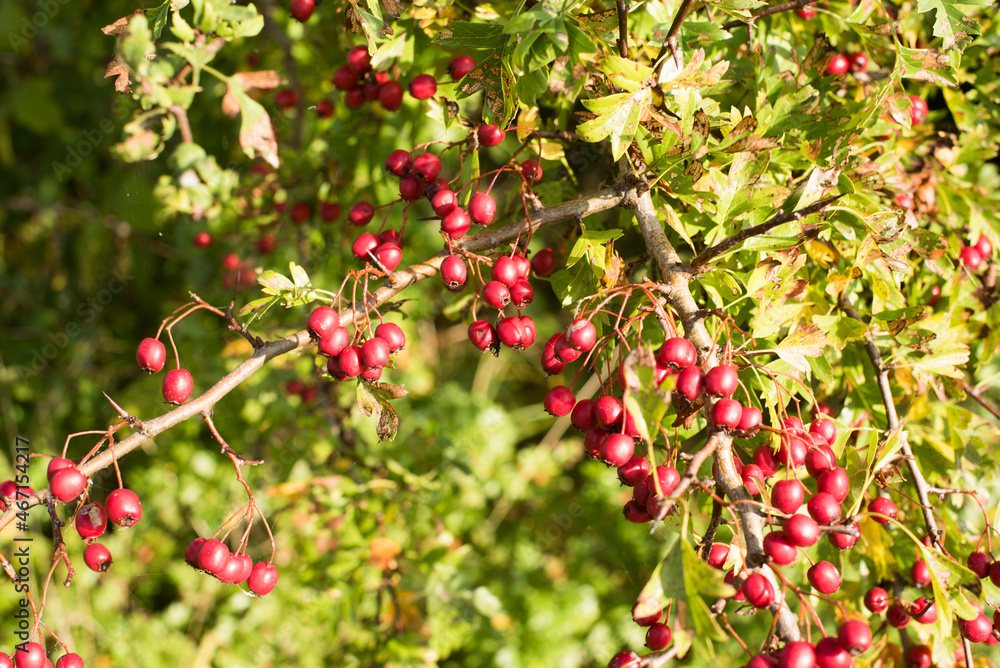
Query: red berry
[(884, 509), (924, 611), (971, 257), (389, 255), (354, 98), (529, 331), (263, 578), (454, 273), (97, 557), (787, 495), (202, 240), (835, 483), (919, 656), (531, 171), (544, 262), (781, 550), (300, 212), (444, 202), (427, 165), (839, 65), (213, 556), (678, 353), (829, 653), (581, 335), (363, 245), (842, 541), (392, 334), (792, 451), (301, 10), (920, 573), (361, 214), (691, 382), (765, 458), (823, 508), (72, 660), (286, 98), (617, 449), (335, 342), (482, 209), (825, 428), (984, 246), (658, 637), (91, 521), (717, 555), (411, 187), (68, 483), (522, 294), (624, 660), (634, 471), (753, 478), (995, 573), (726, 413), (496, 294), (57, 464), (806, 12), (607, 411), (460, 66), (721, 380), (505, 270), (583, 415), (423, 86), (918, 110), (819, 460), (979, 563), (797, 654), (523, 265), (825, 577), (635, 513), (359, 60), (903, 201), (390, 95), (667, 477), (399, 162), (750, 419), (490, 135), (876, 599), (758, 591), (124, 507), (559, 401), (151, 355), (976, 630), (858, 61), (375, 353), (177, 386), (456, 223), (349, 362), (193, 550), (344, 78), (31, 656), (802, 530), (322, 321), (511, 332), (482, 334)]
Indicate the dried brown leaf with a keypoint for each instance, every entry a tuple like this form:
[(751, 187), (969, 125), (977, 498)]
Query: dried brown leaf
[(118, 68), (120, 27)]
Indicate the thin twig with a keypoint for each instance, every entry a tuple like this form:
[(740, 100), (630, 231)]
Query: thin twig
[(713, 526), (763, 228), (622, 27), (767, 11), (974, 393)]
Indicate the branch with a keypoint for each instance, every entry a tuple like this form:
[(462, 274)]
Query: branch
[(670, 41), (677, 279), (622, 9), (974, 393), (572, 210), (882, 378), (757, 230), (767, 11)]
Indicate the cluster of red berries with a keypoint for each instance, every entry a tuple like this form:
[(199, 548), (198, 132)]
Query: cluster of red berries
[(213, 557), (344, 360), (178, 384), (973, 257), (32, 655), (508, 284), (845, 62)]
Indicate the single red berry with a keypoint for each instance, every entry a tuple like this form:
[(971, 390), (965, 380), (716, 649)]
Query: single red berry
[(363, 245), (202, 240), (797, 654), (678, 353), (592, 442), (581, 335), (883, 508), (124, 507), (787, 495), (232, 570), (825, 577), (829, 653), (823, 508), (781, 550), (389, 255), (919, 656), (482, 209), (490, 135), (563, 351), (399, 162), (511, 333), (758, 591), (918, 110), (521, 293), (390, 95), (265, 244), (876, 599), (802, 530), (72, 660), (354, 98), (454, 273), (753, 478), (444, 202), (370, 88), (151, 355), (30, 655), (807, 12), (624, 660), (726, 413), (213, 556), (765, 458), (482, 334), (530, 332), (456, 223), (858, 61), (635, 513), (979, 563), (819, 460), (721, 380), (792, 451), (427, 165), (920, 573), (392, 334), (647, 619), (903, 201), (583, 415), (667, 477), (361, 214), (91, 521), (634, 471), (97, 557), (344, 78), (375, 353), (523, 265), (835, 483), (57, 464), (300, 212), (322, 321), (460, 66), (717, 555), (971, 257), (617, 449), (976, 630), (411, 187), (607, 411), (301, 10), (691, 383), (842, 541), (559, 401), (758, 660), (750, 419), (177, 386), (658, 637), (544, 262), (231, 262), (349, 362), (839, 65), (263, 578), (68, 483), (984, 247), (193, 550), (246, 567), (359, 60), (924, 611), (335, 342), (505, 270), (531, 171), (995, 573), (324, 108), (423, 86), (286, 98), (496, 294), (825, 428)]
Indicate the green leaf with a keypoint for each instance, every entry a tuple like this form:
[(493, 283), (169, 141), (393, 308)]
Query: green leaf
[(952, 24), (840, 329), (274, 283), (617, 118), (625, 74), (299, 275), (926, 65), (800, 344), (467, 35)]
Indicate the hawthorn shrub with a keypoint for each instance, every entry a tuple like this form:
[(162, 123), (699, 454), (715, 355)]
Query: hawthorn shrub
[(742, 253)]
